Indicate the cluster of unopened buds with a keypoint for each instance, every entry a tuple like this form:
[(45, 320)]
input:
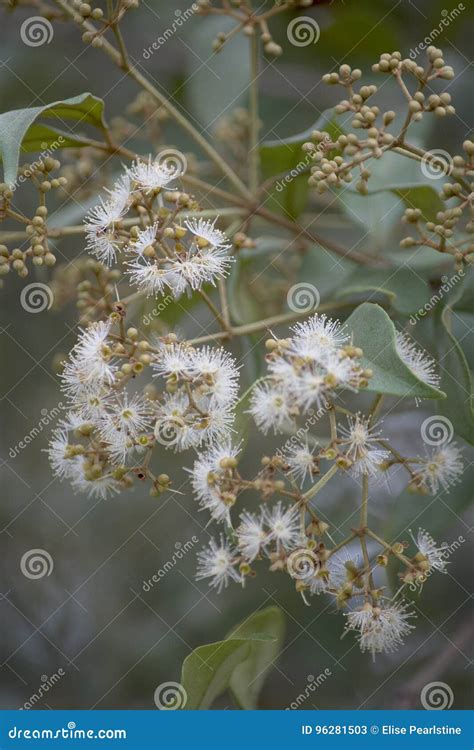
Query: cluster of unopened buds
[(249, 21)]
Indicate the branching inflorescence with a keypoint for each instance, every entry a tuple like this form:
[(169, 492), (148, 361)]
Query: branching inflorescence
[(133, 396)]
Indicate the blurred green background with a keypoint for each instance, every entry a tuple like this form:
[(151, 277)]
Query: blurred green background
[(92, 617)]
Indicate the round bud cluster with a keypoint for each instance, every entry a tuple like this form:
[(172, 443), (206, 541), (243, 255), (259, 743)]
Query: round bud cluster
[(440, 105), (392, 63), (345, 77)]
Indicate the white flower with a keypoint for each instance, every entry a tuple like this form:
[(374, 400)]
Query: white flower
[(198, 267), (58, 445), (433, 554), (300, 461), (309, 388), (442, 469), (153, 175), (271, 407), (380, 629), (206, 230), (90, 364), (319, 334), (174, 426), (218, 562), (99, 488), (130, 415), (219, 373), (144, 239), (251, 534), (283, 525), (420, 363), (358, 440), (153, 278), (122, 423), (100, 222), (208, 479), (333, 574), (174, 361)]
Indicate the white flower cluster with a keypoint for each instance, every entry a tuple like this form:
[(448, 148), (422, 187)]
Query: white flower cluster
[(159, 258), (101, 443), (304, 371), (202, 392)]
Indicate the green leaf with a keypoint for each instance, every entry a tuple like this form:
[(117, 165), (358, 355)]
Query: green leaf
[(19, 130), (240, 662), (396, 183), (374, 333), (286, 158), (207, 671), (328, 272), (456, 381), (249, 676), (464, 293), (424, 197), (406, 290)]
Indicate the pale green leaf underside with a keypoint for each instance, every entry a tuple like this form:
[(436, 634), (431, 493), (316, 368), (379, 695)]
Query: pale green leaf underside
[(374, 332), (19, 130)]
